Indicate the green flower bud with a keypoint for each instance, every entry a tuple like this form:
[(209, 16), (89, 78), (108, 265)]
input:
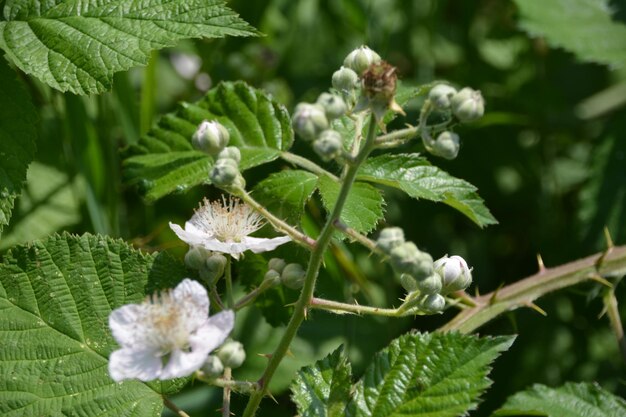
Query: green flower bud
[(360, 59), (273, 276), (455, 273), (213, 268), (430, 285), (230, 152), (440, 96), (433, 303), (309, 120), (232, 354), (468, 105), (345, 80), (389, 238), (329, 145), (196, 256), (213, 367), (276, 264), (446, 145), (224, 172), (293, 276), (408, 283), (333, 105), (406, 258), (210, 137)]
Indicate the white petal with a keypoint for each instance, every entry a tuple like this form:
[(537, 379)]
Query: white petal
[(126, 324), (126, 363), (191, 237), (213, 333), (232, 248), (257, 245), (184, 363), (194, 300)]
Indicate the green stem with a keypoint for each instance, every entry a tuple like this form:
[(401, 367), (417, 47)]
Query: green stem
[(252, 295), (358, 237), (523, 293), (174, 408), (306, 164), (148, 94), (343, 308), (226, 396), (397, 137), (228, 276), (612, 311), (315, 262)]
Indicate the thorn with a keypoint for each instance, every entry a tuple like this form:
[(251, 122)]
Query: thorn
[(306, 313), (267, 356), (291, 304), (607, 237), (535, 307), (540, 264), (269, 394), (476, 292), (494, 297), (289, 353), (601, 280)]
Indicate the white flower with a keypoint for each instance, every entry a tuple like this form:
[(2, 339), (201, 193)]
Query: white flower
[(224, 227), (168, 335)]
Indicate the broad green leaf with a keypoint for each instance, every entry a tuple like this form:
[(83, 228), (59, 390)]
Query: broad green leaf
[(49, 203), (164, 161), (55, 299), (18, 131), (415, 176), (323, 389), (285, 193), (570, 400), (77, 46), (363, 207), (584, 27), (434, 375)]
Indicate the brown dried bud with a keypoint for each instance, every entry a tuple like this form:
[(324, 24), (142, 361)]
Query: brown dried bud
[(379, 88)]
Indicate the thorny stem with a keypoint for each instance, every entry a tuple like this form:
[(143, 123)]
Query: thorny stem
[(174, 408), (358, 237), (344, 308), (315, 261), (228, 276), (306, 164), (397, 137), (252, 295), (610, 263), (226, 395), (612, 311)]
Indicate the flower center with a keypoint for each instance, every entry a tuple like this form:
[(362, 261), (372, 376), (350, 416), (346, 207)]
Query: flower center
[(165, 323), (228, 220)]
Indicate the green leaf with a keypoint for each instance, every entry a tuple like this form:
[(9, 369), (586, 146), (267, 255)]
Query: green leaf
[(164, 161), (434, 375), (570, 400), (285, 193), (77, 46), (18, 131), (324, 388), (363, 207), (55, 299), (584, 27), (415, 176), (49, 203)]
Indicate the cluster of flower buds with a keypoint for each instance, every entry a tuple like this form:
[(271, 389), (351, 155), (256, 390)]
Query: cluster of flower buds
[(225, 171), (290, 275), (425, 281), (231, 355), (210, 265)]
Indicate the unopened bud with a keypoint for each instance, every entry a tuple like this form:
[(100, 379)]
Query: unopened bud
[(230, 152), (213, 367), (408, 283), (224, 172), (408, 259), (196, 256), (430, 285), (329, 145), (213, 268), (455, 273), (273, 276), (210, 137), (359, 59), (277, 264), (441, 95), (389, 238), (309, 120), (468, 105), (433, 303), (333, 105), (345, 80), (232, 354), (446, 145), (293, 276)]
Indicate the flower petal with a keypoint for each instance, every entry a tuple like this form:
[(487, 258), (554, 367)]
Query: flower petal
[(127, 363), (213, 333), (183, 364), (191, 236), (257, 245), (126, 324), (194, 300)]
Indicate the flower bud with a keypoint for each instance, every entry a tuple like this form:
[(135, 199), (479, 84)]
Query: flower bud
[(333, 105), (406, 258), (232, 354), (446, 145), (210, 137), (455, 273), (230, 152), (272, 275), (309, 120), (440, 96), (196, 256), (329, 145), (430, 285), (408, 283), (361, 58), (389, 238), (224, 172), (345, 80), (434, 303), (277, 264), (468, 105), (213, 367), (293, 276), (213, 267), (379, 90)]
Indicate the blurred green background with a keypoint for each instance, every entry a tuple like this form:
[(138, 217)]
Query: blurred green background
[(549, 158)]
